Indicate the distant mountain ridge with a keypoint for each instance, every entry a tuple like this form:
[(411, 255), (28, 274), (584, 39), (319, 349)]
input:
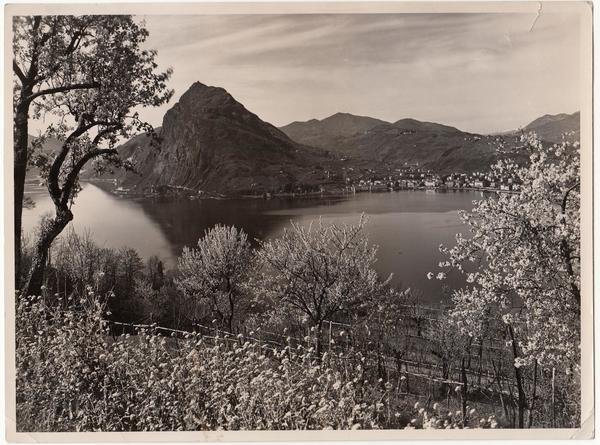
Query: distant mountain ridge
[(407, 141), (551, 128), (434, 146), (320, 133), (413, 124)]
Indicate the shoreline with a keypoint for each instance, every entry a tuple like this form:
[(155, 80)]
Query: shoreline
[(179, 192)]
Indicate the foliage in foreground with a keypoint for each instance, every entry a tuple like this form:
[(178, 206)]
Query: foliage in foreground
[(73, 376)]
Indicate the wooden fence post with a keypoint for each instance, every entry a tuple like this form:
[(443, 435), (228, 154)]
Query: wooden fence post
[(463, 392), (553, 410)]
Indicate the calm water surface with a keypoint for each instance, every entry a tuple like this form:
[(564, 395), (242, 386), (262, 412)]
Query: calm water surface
[(408, 226)]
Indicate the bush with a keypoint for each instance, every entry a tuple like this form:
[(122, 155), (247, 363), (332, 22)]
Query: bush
[(72, 376), (438, 418)]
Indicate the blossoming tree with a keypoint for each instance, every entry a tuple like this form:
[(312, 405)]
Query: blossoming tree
[(521, 260), (321, 271), (90, 74), (214, 275)]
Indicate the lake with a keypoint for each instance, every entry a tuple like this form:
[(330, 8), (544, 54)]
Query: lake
[(408, 226)]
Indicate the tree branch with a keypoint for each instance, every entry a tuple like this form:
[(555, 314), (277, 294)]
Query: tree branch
[(53, 176), (18, 72), (76, 86), (73, 174), (566, 250), (563, 206), (76, 39), (109, 129)]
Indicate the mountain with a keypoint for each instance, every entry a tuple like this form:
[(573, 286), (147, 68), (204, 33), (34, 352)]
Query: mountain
[(328, 132), (433, 146), (550, 128), (210, 142), (437, 147)]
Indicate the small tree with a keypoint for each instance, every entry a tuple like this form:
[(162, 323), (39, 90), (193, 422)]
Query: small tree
[(155, 272), (522, 262), (321, 271), (130, 269), (78, 259), (89, 72), (216, 273)]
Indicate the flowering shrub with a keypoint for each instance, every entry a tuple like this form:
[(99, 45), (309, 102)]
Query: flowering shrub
[(74, 376), (439, 418), (321, 271)]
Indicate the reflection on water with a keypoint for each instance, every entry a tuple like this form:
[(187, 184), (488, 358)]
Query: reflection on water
[(408, 226), (112, 221)]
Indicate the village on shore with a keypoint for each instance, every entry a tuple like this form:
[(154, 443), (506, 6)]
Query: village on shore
[(409, 177), (413, 177)]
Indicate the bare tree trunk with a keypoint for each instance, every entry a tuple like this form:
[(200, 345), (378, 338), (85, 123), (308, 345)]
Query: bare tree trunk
[(445, 374), (552, 400), (319, 340), (20, 170), (566, 250), (533, 395), (522, 397), (463, 392), (497, 372), (381, 369), (480, 357), (48, 234), (231, 314), (231, 301)]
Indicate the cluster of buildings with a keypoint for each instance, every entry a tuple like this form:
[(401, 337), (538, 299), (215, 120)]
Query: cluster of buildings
[(417, 178)]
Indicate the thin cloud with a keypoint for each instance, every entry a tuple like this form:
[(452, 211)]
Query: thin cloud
[(479, 72)]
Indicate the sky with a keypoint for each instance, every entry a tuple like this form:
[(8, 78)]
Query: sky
[(478, 72)]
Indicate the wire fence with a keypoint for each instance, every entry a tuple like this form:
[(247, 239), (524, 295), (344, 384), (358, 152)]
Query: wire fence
[(417, 373), (486, 373)]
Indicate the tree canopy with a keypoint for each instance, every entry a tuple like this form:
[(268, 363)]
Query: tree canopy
[(521, 260), (321, 271), (215, 274)]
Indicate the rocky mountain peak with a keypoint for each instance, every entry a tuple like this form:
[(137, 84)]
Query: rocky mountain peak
[(210, 142), (203, 100), (200, 91)]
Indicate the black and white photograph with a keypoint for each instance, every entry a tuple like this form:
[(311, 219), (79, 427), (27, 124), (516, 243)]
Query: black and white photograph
[(271, 218)]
